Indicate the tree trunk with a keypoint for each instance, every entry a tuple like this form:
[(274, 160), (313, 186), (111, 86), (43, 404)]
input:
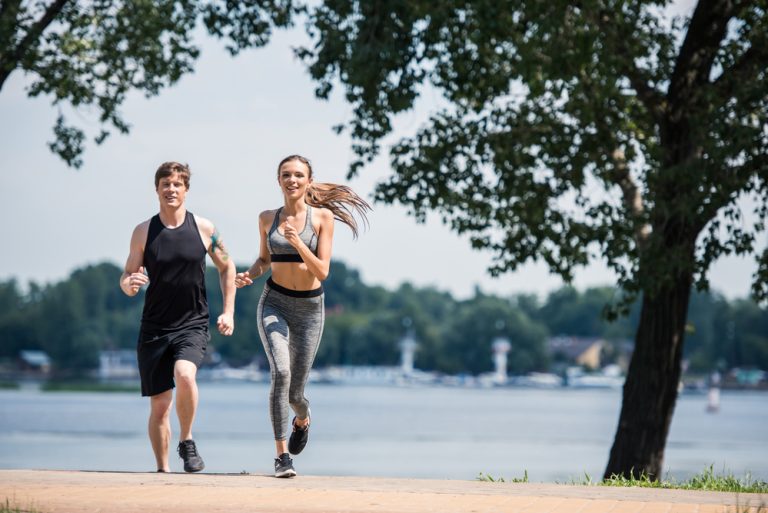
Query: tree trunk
[(650, 390)]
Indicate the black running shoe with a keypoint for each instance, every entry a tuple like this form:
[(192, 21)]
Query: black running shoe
[(192, 460), (298, 439), (284, 466)]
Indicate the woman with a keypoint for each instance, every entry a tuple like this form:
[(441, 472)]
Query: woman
[(296, 242)]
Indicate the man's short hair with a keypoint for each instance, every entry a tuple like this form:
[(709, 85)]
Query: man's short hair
[(168, 168)]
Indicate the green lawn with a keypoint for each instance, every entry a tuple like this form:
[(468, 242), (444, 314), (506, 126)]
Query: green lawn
[(706, 480)]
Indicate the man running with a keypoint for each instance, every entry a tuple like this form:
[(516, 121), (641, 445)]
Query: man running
[(168, 253)]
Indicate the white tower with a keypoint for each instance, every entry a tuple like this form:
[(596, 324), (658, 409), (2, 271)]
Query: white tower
[(408, 347), (501, 347), (713, 394)]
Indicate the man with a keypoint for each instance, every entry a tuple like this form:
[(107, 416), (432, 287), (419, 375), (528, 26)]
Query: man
[(171, 248)]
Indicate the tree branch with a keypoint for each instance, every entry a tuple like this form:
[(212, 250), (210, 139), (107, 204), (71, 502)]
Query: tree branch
[(708, 27), (9, 14), (735, 181), (633, 198), (7, 6), (35, 31), (652, 99), (742, 71)]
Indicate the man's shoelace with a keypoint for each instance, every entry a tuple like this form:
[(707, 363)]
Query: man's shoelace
[(188, 449)]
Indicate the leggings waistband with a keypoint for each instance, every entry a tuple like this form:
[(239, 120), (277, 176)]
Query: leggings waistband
[(294, 293)]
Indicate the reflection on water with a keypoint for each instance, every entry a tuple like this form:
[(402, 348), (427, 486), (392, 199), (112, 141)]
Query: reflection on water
[(556, 435)]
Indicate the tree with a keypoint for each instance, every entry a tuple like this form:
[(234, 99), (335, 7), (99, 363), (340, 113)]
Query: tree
[(15, 333), (569, 312), (92, 54), (745, 333), (573, 131), (68, 335), (469, 334)]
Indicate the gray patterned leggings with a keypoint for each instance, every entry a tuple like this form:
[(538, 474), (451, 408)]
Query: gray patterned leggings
[(290, 326)]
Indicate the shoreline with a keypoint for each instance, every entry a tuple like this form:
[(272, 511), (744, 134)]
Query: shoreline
[(132, 385)]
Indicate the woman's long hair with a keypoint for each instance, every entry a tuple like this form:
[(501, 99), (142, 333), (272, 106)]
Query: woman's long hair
[(341, 200)]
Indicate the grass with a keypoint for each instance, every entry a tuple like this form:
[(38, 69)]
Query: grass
[(87, 386), (490, 479), (12, 507), (706, 481), (9, 385)]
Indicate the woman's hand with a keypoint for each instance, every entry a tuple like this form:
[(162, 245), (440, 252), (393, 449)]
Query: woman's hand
[(243, 279), (290, 232)]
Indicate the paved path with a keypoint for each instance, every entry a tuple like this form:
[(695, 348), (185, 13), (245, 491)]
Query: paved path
[(121, 492)]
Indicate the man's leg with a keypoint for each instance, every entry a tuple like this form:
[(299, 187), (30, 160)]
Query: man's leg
[(185, 372), (160, 427)]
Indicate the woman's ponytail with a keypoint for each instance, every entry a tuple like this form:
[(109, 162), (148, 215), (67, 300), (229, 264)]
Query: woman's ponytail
[(341, 200)]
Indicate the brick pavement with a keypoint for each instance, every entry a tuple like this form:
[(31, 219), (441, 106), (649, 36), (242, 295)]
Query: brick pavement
[(123, 492)]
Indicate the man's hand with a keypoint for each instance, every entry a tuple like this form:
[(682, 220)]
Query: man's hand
[(137, 280), (226, 324)]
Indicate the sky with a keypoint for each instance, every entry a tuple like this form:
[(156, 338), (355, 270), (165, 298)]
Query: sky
[(232, 121)]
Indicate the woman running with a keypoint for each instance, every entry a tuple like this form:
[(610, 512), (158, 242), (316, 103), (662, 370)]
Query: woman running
[(296, 241)]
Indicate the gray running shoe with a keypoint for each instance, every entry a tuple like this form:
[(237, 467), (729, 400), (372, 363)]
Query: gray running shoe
[(188, 452), (284, 466)]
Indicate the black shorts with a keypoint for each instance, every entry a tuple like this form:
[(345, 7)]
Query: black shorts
[(157, 354)]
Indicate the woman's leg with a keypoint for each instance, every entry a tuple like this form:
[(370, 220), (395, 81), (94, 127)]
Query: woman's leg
[(273, 331), (306, 322)]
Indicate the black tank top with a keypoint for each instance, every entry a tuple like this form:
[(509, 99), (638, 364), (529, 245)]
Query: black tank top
[(175, 262)]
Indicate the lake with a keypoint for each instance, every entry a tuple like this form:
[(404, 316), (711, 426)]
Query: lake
[(421, 432)]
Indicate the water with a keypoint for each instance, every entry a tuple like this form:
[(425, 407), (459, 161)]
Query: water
[(556, 435)]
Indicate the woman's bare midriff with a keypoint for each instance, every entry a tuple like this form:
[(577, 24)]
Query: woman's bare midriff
[(294, 276)]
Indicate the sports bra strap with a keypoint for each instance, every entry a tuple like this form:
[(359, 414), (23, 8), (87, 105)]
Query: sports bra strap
[(276, 220)]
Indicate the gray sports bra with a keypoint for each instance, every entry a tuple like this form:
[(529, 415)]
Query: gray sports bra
[(280, 250)]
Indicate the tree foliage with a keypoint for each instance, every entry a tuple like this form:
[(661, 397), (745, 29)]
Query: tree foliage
[(572, 132), (90, 55)]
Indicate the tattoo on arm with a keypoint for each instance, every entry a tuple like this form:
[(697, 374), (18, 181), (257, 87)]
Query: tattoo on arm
[(218, 243)]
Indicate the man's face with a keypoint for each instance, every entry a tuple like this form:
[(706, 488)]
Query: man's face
[(171, 190)]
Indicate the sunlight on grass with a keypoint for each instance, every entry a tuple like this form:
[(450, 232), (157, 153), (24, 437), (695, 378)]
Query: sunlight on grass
[(489, 478), (705, 481), (11, 507)]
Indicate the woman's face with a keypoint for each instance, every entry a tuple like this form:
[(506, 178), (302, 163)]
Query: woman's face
[(294, 178)]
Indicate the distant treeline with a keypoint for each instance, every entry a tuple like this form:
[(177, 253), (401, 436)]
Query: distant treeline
[(74, 319)]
